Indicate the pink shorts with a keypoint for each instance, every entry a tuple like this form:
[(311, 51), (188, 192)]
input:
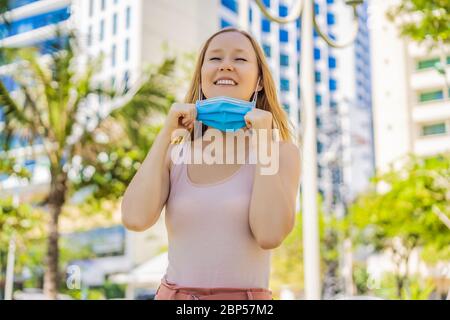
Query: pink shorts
[(170, 291)]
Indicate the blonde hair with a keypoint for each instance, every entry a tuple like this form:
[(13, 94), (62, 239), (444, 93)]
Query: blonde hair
[(267, 97)]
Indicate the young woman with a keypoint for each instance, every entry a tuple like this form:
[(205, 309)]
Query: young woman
[(222, 219)]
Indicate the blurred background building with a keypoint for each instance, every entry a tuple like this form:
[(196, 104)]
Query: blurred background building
[(411, 113)]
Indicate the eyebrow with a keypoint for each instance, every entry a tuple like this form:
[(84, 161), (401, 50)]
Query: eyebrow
[(237, 50)]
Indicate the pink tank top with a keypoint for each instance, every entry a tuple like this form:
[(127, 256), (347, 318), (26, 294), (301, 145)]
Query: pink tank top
[(210, 241)]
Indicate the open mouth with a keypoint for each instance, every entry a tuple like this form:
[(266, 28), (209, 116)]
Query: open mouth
[(225, 82)]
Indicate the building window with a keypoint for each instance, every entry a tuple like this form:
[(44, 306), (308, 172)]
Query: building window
[(115, 23), (330, 19), (283, 10), (298, 92), (298, 67), (14, 4), (34, 22), (113, 81), (431, 96), (267, 50), (317, 76), (434, 129), (126, 79), (428, 63), (332, 62), (103, 4), (128, 20), (330, 1), (284, 84), (102, 29), (224, 23), (316, 54), (284, 60), (333, 85), (315, 34), (333, 104), (91, 8), (230, 4), (89, 36), (266, 3), (286, 107), (318, 100), (318, 122), (316, 8), (127, 49), (265, 24), (284, 35), (250, 15), (113, 55), (299, 45)]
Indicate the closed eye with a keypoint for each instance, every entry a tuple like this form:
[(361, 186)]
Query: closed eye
[(241, 59), (214, 58)]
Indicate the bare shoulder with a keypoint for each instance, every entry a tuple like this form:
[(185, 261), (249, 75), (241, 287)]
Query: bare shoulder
[(289, 151), (289, 155)]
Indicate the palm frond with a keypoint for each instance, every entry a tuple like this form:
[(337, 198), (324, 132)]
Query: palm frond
[(15, 117)]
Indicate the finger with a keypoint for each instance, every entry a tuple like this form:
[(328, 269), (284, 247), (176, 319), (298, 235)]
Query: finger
[(187, 123), (182, 115), (248, 121)]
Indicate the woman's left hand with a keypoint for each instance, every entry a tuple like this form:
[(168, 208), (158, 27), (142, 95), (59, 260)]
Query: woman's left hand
[(258, 119)]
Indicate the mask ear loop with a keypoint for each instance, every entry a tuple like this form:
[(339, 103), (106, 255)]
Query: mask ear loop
[(255, 95)]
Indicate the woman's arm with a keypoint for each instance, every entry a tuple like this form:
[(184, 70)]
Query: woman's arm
[(147, 193), (273, 202), (272, 206)]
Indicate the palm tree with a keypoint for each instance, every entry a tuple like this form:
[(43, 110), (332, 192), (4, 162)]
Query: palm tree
[(52, 93)]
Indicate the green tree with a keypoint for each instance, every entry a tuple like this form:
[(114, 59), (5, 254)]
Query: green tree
[(19, 223), (49, 103), (407, 209), (423, 20)]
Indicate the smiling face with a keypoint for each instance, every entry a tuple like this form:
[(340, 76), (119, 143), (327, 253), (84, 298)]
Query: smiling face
[(230, 67)]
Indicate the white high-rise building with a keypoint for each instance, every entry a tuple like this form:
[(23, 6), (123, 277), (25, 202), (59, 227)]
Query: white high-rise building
[(411, 106), (131, 34)]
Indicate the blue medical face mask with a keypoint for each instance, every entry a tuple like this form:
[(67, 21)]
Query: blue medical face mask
[(224, 113)]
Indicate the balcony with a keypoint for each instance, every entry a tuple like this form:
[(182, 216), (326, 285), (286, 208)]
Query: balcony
[(431, 111), (428, 79)]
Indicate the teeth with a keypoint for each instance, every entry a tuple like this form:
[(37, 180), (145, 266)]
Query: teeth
[(226, 82)]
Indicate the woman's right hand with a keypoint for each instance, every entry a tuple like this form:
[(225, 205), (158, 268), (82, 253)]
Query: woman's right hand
[(181, 116)]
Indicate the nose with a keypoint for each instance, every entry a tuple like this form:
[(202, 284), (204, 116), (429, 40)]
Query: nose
[(226, 66)]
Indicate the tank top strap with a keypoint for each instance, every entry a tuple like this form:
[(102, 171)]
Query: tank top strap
[(179, 158)]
